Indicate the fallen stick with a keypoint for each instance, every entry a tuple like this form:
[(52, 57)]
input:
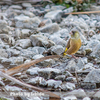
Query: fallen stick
[(51, 95), (87, 12), (22, 67)]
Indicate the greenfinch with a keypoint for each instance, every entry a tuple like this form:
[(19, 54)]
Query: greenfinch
[(73, 44)]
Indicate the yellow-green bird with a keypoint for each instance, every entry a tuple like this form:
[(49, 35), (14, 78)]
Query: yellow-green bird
[(73, 44)]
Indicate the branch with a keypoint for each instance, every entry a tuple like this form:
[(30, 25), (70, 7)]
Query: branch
[(52, 95), (88, 12), (22, 67)]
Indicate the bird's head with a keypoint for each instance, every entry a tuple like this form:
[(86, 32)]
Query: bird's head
[(75, 34)]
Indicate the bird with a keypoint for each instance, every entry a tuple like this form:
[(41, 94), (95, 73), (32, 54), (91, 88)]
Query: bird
[(74, 43)]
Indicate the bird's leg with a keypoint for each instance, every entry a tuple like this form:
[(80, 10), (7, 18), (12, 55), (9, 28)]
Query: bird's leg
[(74, 56)]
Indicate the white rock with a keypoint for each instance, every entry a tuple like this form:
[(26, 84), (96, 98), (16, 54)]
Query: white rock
[(23, 21), (53, 83), (50, 28), (86, 98), (70, 98), (12, 88), (72, 66), (26, 4), (16, 60), (16, 7), (67, 86), (27, 13), (33, 71), (25, 33), (12, 52), (3, 53), (38, 80), (54, 15), (38, 56), (58, 40), (49, 72), (88, 67), (93, 76), (96, 96), (35, 98), (57, 49), (24, 43), (80, 93), (39, 40)]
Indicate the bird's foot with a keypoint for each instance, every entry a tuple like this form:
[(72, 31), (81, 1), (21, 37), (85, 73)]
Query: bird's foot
[(74, 57)]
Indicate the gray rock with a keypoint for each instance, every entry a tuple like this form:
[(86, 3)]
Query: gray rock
[(72, 66), (54, 15), (35, 98), (98, 25), (57, 49), (38, 80), (12, 88), (96, 36), (60, 77), (58, 40), (26, 5), (48, 73), (16, 7), (12, 52), (68, 74), (40, 50), (81, 62), (88, 50), (27, 13), (86, 98), (93, 76), (50, 28), (24, 43), (25, 33), (17, 33), (52, 83), (88, 67), (16, 60), (70, 98), (68, 10), (23, 21), (1, 66), (68, 86), (96, 96), (4, 28), (5, 61), (71, 79), (37, 56), (31, 51), (33, 71), (85, 17), (7, 39), (92, 43), (96, 51), (3, 53), (1, 83), (80, 93), (89, 85), (57, 7), (39, 40), (95, 8), (62, 33), (44, 63)]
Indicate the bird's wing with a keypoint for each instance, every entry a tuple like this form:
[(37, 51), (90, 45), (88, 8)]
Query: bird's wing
[(67, 46), (75, 45)]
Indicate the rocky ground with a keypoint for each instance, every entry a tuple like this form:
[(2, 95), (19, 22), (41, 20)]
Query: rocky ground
[(29, 31)]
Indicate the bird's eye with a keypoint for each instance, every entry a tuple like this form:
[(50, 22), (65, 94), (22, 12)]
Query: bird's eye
[(73, 32)]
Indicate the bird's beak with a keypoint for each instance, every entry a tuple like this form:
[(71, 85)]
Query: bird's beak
[(70, 33)]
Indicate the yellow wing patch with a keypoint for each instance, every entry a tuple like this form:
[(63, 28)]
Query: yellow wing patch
[(64, 54)]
